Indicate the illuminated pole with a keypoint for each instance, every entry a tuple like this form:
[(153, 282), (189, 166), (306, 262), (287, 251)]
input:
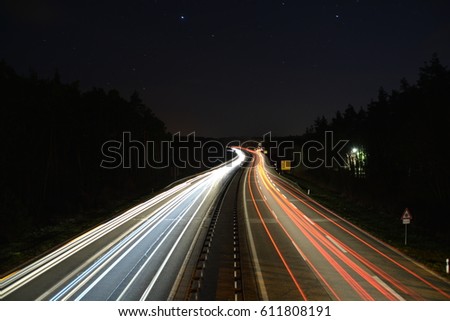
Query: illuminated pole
[(446, 266)]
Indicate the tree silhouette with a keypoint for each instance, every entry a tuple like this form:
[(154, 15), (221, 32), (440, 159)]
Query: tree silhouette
[(52, 135), (405, 135)]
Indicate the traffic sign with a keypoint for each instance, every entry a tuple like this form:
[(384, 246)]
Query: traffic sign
[(285, 165), (406, 217)]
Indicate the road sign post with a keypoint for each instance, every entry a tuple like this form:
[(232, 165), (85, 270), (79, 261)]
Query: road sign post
[(406, 234), (406, 219)]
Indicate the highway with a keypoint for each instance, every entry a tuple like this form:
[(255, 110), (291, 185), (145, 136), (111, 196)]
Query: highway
[(299, 250), (139, 255), (231, 233)]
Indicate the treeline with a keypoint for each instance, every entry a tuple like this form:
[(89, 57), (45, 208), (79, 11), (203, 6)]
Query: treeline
[(400, 144), (51, 135)]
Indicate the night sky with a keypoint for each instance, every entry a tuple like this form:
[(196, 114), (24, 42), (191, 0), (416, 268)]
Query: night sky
[(229, 68)]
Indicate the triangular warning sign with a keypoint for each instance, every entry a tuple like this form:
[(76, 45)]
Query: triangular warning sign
[(406, 215)]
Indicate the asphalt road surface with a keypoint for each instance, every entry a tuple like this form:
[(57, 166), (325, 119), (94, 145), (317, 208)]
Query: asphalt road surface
[(299, 250), (138, 255)]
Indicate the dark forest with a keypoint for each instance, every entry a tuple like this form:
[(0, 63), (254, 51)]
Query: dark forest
[(400, 151), (52, 135)]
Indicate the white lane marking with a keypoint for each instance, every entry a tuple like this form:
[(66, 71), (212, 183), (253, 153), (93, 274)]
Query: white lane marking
[(186, 260), (335, 243), (62, 256), (387, 287), (309, 220), (22, 277), (156, 219), (273, 212), (162, 266), (299, 251), (118, 260), (254, 255)]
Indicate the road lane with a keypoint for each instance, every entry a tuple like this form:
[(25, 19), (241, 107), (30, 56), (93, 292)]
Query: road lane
[(281, 272), (136, 256), (347, 263)]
